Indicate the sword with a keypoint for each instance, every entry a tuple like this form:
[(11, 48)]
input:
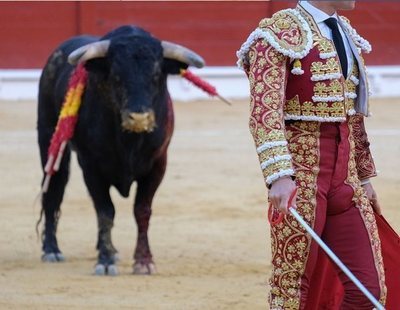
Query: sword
[(276, 219)]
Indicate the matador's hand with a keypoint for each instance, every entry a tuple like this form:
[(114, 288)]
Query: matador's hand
[(280, 193), (372, 197)]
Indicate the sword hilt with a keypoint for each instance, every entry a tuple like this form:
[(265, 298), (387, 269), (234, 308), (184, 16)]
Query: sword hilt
[(274, 216)]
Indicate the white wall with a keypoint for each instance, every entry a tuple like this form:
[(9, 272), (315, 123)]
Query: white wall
[(229, 81)]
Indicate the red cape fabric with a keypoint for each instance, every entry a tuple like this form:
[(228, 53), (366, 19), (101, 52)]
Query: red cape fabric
[(326, 291)]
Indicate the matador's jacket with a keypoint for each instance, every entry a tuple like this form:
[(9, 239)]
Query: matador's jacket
[(295, 76)]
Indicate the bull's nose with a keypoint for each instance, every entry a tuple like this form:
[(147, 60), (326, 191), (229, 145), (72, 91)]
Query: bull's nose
[(138, 122)]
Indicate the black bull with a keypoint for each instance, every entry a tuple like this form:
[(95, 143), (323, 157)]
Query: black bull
[(124, 127)]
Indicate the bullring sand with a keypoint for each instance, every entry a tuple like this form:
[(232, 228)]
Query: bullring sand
[(208, 233)]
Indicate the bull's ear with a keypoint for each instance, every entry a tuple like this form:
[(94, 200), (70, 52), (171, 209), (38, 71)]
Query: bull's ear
[(172, 66), (98, 65)]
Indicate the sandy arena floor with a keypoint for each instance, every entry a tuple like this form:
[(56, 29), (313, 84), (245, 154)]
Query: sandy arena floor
[(209, 232)]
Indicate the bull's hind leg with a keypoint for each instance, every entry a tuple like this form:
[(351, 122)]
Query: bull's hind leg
[(51, 200), (146, 189), (99, 190)]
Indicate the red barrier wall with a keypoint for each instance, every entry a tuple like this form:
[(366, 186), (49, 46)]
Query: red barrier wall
[(31, 30)]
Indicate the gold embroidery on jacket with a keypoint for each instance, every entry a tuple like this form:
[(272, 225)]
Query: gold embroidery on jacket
[(328, 89), (333, 97), (322, 109), (330, 66), (267, 74), (293, 106), (289, 241), (278, 166), (273, 152), (364, 161), (351, 87), (286, 29), (324, 45)]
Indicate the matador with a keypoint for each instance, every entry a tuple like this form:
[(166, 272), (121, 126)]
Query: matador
[(309, 98)]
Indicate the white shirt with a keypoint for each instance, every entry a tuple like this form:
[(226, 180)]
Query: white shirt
[(319, 18)]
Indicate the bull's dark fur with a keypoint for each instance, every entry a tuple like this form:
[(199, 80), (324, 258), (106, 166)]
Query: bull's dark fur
[(132, 77)]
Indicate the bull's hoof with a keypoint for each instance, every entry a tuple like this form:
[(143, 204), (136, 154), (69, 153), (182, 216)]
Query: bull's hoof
[(144, 268), (100, 270), (112, 270), (53, 257), (104, 270)]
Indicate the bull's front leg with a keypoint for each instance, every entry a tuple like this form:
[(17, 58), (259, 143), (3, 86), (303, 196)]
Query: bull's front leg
[(99, 190), (147, 186)]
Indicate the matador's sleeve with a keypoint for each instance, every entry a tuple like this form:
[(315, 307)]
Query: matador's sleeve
[(267, 76), (364, 161), (265, 56)]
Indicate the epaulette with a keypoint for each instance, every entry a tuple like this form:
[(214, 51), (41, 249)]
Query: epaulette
[(358, 40), (286, 31), (345, 19)]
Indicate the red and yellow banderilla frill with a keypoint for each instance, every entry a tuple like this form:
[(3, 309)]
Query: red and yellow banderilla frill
[(66, 122), (203, 85)]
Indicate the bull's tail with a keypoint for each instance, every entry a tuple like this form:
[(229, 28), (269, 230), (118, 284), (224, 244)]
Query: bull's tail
[(40, 235), (39, 221)]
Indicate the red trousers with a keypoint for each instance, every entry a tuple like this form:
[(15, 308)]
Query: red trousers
[(338, 221)]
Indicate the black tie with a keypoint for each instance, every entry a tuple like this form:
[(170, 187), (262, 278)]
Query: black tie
[(338, 40)]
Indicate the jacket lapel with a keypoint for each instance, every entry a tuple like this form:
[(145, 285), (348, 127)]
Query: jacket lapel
[(361, 102)]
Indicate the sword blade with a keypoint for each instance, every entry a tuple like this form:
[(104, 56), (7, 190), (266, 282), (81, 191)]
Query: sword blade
[(336, 259)]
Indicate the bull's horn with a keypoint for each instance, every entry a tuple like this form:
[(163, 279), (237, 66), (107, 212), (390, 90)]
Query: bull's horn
[(182, 54), (89, 51)]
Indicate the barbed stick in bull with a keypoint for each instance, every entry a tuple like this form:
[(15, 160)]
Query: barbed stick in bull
[(69, 114), (205, 86), (66, 123)]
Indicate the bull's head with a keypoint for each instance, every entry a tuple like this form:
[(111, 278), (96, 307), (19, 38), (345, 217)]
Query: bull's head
[(133, 71)]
